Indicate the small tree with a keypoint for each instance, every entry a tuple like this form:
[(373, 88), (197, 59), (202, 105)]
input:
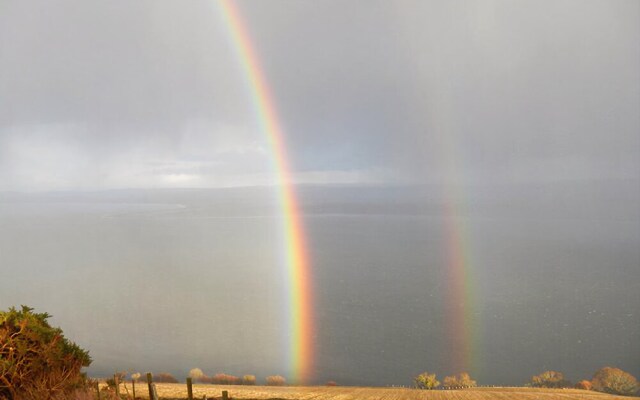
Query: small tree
[(276, 380), (249, 380), (550, 379), (462, 380), (614, 381), (450, 382), (198, 376), (117, 380), (36, 360), (225, 379), (465, 381), (584, 385), (426, 381)]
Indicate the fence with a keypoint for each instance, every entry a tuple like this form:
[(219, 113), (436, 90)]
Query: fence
[(153, 392)]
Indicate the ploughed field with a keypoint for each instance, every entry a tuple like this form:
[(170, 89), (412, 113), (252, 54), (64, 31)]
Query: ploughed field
[(176, 391)]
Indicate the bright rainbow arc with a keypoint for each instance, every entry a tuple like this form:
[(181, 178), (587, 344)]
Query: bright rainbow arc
[(297, 263)]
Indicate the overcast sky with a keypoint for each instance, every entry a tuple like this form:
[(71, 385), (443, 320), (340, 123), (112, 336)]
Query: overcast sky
[(151, 94), (528, 111)]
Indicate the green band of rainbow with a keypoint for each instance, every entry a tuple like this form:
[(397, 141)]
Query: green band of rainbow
[(297, 263)]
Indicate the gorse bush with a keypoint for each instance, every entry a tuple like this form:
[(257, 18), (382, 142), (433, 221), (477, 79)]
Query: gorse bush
[(249, 380), (36, 361)]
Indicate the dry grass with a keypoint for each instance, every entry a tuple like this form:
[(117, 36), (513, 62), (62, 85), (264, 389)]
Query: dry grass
[(179, 391)]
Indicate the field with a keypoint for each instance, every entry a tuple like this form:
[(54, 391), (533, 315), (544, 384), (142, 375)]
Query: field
[(179, 391)]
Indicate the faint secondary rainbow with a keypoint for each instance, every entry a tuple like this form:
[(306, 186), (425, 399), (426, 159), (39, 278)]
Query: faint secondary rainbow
[(460, 316), (301, 323)]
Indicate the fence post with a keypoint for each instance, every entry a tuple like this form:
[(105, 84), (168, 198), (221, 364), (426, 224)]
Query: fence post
[(98, 389), (155, 392), (116, 381), (150, 384), (133, 387), (189, 389), (225, 395)]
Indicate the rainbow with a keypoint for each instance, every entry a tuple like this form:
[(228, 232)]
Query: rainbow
[(460, 316), (300, 313), (459, 311)]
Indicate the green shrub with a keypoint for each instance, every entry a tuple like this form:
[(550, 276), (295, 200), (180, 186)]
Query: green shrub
[(36, 361)]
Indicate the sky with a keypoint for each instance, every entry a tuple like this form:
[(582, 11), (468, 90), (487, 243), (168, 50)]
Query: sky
[(524, 114), (99, 96)]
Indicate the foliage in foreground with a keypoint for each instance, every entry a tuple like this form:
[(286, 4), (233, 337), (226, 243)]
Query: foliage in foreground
[(615, 381), (36, 360), (426, 381)]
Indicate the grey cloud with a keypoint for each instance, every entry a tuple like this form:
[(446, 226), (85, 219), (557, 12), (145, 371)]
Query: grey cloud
[(381, 83), (359, 86)]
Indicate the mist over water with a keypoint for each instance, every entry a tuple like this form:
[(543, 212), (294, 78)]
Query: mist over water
[(168, 280)]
